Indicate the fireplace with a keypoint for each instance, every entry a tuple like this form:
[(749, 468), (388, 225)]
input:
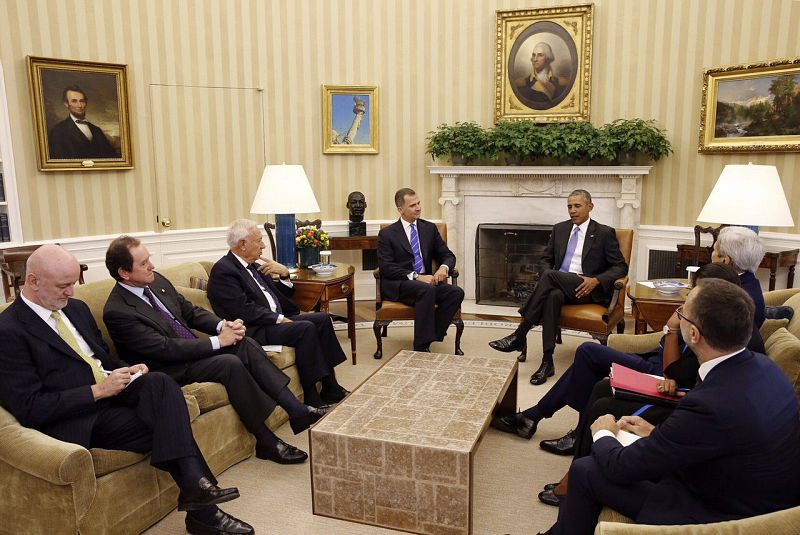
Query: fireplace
[(506, 256)]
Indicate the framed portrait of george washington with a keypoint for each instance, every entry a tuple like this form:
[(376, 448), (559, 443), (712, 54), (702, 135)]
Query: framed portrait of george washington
[(80, 114), (350, 119), (543, 64), (751, 108)]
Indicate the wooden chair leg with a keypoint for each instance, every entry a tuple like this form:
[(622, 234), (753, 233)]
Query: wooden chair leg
[(459, 323), (377, 326)]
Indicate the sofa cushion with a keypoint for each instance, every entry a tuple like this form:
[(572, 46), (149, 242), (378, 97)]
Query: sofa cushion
[(107, 461), (282, 359), (181, 274), (770, 326), (784, 349), (209, 396), (198, 298), (794, 323)]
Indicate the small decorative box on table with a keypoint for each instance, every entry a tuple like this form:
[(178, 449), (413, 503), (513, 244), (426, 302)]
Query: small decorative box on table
[(398, 451)]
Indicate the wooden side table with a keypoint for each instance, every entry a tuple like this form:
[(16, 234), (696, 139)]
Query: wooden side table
[(311, 290), (651, 308), (771, 261), (368, 245)]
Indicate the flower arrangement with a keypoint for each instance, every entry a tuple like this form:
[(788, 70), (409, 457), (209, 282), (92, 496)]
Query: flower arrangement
[(311, 236)]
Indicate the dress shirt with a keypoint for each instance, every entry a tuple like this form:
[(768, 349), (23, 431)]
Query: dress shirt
[(82, 126), (270, 299), (576, 264), (45, 314), (709, 364), (139, 292), (407, 229)]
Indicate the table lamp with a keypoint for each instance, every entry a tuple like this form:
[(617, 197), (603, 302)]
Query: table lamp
[(284, 191), (748, 195)]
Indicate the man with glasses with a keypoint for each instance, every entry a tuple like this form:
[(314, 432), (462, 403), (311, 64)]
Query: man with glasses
[(727, 451)]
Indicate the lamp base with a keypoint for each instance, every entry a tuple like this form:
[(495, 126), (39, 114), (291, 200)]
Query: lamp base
[(284, 236)]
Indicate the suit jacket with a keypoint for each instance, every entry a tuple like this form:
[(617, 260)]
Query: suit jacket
[(44, 383), (600, 257), (66, 141), (751, 285), (728, 450), (138, 330), (234, 294), (396, 260)]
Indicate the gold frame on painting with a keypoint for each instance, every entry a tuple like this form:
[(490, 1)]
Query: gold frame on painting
[(565, 95), (749, 84), (105, 87), (335, 142)]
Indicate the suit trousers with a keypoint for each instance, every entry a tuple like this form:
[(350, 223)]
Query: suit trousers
[(314, 341), (592, 363), (150, 414), (434, 308), (553, 290), (253, 382)]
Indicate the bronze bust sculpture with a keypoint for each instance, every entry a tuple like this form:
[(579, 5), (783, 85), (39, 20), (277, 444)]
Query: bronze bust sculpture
[(356, 204)]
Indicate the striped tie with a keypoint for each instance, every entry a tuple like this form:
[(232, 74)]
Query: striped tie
[(72, 342), (176, 325), (418, 265)]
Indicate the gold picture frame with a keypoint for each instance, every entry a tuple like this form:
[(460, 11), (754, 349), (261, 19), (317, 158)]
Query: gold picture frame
[(350, 119), (749, 108), (80, 114), (557, 43)]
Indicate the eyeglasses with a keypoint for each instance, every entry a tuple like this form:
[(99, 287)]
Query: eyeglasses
[(679, 312)]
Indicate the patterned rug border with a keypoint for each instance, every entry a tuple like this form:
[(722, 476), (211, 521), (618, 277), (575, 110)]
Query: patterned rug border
[(486, 324)]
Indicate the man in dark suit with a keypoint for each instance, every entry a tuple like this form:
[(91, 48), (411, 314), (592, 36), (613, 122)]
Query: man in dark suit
[(146, 316), (727, 451), (75, 137), (59, 378), (407, 250), (580, 265), (240, 288)]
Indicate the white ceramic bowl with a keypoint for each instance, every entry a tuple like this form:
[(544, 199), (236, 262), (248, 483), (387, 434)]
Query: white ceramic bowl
[(324, 270), (669, 287)]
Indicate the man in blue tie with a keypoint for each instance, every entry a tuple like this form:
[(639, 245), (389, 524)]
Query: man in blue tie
[(407, 252), (580, 265)]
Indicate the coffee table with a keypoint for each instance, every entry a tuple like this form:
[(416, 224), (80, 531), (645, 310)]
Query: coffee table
[(398, 451), (652, 308)]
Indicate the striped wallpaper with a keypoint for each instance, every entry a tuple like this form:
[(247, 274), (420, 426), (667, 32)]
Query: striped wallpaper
[(242, 81)]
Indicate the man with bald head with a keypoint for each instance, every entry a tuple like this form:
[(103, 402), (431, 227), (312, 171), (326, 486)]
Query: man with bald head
[(59, 378)]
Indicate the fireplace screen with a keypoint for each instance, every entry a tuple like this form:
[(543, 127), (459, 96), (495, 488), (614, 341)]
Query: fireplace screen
[(506, 257)]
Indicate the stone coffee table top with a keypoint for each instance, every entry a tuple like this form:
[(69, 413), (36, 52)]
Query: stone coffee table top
[(423, 399)]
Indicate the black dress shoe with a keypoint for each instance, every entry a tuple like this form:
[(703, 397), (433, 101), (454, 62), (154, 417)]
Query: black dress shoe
[(205, 494), (560, 446), (281, 453), (508, 344), (516, 424), (334, 396), (301, 423), (550, 486), (547, 496), (546, 369), (223, 523), (423, 349)]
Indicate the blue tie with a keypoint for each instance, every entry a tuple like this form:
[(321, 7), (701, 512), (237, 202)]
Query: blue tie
[(418, 265), (571, 246)]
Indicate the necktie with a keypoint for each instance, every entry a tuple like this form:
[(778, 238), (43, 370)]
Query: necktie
[(274, 302), (69, 338), (418, 265), (176, 325), (571, 246)]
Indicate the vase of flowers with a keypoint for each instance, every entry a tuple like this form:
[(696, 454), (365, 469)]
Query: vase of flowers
[(309, 241)]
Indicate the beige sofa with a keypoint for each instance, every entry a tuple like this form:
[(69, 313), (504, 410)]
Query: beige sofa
[(783, 346), (49, 486)]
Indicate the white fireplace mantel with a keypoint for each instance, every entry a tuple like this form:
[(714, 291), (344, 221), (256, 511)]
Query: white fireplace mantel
[(471, 195)]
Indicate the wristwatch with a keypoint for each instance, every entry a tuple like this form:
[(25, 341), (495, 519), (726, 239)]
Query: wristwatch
[(666, 330)]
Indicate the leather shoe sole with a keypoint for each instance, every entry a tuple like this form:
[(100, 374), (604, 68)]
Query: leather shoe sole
[(282, 453), (560, 446), (301, 423), (547, 496), (507, 344), (223, 524), (550, 486), (204, 495), (539, 377), (334, 397), (516, 424)]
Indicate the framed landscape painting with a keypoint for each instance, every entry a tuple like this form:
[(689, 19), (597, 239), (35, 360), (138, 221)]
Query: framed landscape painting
[(350, 119), (543, 64), (750, 108), (80, 114)]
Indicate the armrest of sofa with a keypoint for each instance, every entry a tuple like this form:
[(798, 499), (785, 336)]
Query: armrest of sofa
[(777, 298), (634, 343), (48, 459)]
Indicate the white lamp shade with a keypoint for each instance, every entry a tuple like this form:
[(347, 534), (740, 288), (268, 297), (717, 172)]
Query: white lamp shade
[(748, 195), (284, 189)]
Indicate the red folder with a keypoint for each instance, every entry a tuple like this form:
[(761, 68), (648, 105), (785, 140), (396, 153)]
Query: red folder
[(637, 386)]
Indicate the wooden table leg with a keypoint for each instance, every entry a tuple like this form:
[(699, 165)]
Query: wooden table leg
[(351, 322)]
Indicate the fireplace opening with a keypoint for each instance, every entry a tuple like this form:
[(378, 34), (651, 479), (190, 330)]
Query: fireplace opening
[(506, 256)]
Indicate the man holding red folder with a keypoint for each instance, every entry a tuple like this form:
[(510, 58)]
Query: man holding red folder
[(728, 450)]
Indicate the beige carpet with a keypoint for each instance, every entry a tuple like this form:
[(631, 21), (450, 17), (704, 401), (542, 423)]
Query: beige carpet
[(509, 471)]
